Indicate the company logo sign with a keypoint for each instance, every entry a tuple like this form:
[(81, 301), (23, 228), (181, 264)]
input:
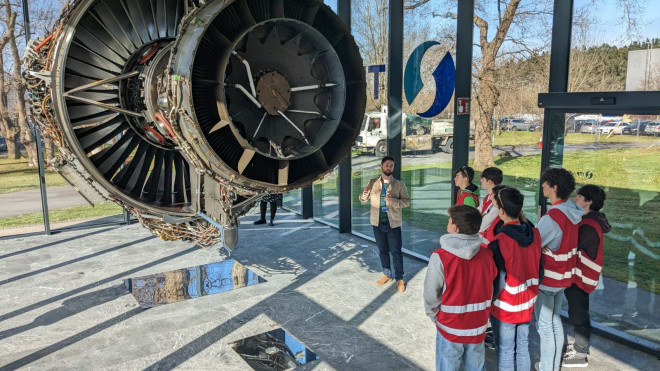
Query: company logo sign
[(444, 76)]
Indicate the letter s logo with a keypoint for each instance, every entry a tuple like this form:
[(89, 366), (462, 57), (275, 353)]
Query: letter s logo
[(444, 76)]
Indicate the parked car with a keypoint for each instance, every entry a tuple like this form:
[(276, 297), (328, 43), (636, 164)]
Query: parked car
[(616, 127), (515, 124), (3, 145), (638, 127), (653, 128), (589, 127)]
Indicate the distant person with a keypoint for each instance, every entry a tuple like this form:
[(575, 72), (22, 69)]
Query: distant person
[(490, 178), (468, 193), (458, 290), (589, 264), (517, 254), (559, 233), (272, 199), (388, 196)]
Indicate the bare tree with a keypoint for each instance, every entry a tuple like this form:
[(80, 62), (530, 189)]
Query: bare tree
[(520, 31), (8, 128)]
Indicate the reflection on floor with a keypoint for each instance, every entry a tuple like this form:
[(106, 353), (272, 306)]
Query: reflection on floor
[(189, 283), (273, 350)]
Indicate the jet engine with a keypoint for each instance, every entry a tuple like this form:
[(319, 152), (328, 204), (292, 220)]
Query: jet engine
[(187, 112)]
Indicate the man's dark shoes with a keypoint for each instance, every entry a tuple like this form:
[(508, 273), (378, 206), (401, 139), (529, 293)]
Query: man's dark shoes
[(260, 221), (271, 223)]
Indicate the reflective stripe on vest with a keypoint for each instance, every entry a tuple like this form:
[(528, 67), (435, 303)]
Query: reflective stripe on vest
[(459, 309), (589, 263), (522, 287), (559, 266), (561, 257), (587, 271), (462, 332), (515, 308), (585, 279)]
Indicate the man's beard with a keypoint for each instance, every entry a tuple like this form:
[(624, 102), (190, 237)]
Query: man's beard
[(387, 173)]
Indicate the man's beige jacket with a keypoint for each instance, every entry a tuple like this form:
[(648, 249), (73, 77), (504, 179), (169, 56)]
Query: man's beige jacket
[(400, 199)]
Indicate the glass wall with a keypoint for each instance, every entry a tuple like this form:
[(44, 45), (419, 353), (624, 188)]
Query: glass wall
[(326, 198), (292, 200), (369, 27), (626, 164)]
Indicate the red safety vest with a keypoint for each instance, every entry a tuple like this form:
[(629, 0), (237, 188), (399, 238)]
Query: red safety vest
[(487, 201), (466, 301), (559, 266), (461, 196), (489, 235), (515, 303), (587, 271)]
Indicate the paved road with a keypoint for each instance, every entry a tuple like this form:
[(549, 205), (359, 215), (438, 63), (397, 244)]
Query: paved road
[(28, 202)]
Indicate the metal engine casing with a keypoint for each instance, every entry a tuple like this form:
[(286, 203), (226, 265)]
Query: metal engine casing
[(186, 113)]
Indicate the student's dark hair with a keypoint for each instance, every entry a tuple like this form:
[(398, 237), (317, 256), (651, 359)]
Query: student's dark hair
[(387, 158), (510, 200), (466, 171), (561, 178), (493, 174), (466, 218), (498, 188), (595, 194)]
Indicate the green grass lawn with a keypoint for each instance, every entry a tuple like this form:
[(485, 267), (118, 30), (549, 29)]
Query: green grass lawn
[(16, 176), (523, 138)]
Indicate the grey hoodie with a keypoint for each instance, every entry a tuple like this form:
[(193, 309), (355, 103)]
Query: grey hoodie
[(550, 232), (463, 246)]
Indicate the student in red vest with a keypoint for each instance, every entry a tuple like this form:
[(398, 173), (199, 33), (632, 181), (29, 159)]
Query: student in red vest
[(589, 264), (559, 232), (493, 228), (458, 290), (490, 178), (517, 253), (468, 193)]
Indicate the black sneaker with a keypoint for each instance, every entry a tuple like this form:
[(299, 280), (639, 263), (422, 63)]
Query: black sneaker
[(574, 359), (260, 221), (271, 223), (489, 341)]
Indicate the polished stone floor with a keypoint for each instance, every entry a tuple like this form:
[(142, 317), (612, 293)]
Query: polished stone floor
[(64, 305)]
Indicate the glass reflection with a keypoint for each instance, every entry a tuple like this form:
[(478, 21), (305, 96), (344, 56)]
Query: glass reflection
[(189, 283), (293, 200), (625, 164), (273, 350), (326, 198)]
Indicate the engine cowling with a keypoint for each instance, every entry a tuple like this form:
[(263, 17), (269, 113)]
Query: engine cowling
[(187, 113)]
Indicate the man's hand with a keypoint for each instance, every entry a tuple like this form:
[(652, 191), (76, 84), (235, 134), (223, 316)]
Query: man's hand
[(365, 192), (388, 200)]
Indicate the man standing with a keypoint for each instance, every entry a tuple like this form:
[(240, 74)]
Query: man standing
[(388, 196)]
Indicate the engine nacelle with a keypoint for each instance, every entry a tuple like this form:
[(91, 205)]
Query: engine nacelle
[(186, 113)]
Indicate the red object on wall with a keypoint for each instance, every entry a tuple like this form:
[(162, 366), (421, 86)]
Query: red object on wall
[(462, 106)]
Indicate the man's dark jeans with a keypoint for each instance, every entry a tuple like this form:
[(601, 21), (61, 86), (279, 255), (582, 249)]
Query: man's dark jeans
[(389, 241), (578, 316)]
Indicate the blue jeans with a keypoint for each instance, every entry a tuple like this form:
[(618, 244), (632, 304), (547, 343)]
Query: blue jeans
[(389, 240), (511, 339), (548, 324), (449, 356)]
